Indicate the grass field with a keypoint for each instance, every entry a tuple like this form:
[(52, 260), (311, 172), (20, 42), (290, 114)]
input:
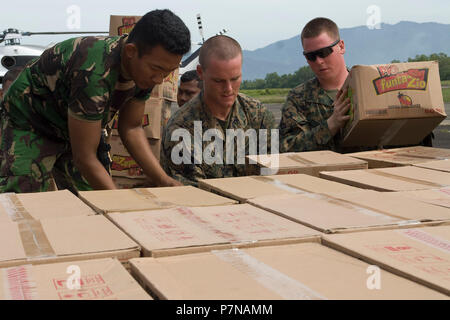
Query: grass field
[(445, 83), (279, 95)]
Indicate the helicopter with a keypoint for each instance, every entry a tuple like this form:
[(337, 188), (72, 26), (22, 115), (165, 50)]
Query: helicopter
[(13, 53)]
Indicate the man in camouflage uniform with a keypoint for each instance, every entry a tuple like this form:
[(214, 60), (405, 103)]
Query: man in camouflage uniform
[(53, 114), (219, 106), (316, 110)]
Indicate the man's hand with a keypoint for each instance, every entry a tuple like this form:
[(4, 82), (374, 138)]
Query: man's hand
[(339, 116)]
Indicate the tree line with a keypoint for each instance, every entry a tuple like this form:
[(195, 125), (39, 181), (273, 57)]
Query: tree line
[(291, 80)]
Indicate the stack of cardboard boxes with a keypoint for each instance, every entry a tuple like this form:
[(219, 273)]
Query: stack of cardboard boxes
[(125, 171)]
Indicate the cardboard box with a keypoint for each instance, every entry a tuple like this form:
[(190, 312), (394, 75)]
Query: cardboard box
[(439, 165), (187, 229), (42, 205), (306, 271), (63, 239), (438, 197), (245, 188), (391, 179), (392, 105), (103, 279), (105, 201), (123, 165), (351, 212), (401, 156), (421, 254), (308, 162)]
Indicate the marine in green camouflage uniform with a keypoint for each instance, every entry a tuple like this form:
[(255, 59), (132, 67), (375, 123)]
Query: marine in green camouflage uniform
[(303, 125), (81, 77), (246, 113)]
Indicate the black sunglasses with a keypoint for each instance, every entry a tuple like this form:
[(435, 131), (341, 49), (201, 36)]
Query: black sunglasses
[(322, 53)]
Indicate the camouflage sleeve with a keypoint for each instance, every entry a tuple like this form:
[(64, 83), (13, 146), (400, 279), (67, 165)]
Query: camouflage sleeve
[(297, 132), (90, 83), (186, 171)]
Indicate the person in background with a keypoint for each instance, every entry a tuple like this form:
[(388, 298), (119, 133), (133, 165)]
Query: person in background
[(190, 86)]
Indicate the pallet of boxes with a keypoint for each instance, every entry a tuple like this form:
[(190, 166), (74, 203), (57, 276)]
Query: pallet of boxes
[(125, 171)]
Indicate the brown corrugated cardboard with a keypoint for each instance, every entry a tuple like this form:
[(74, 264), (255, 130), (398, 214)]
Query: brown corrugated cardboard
[(391, 179), (311, 162), (186, 230), (395, 104), (294, 272), (421, 254), (401, 156), (439, 165), (350, 212), (123, 165), (55, 204), (103, 279), (63, 239), (245, 188), (438, 197), (151, 198)]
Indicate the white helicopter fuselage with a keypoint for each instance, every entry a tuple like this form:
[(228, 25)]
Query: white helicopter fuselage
[(17, 51)]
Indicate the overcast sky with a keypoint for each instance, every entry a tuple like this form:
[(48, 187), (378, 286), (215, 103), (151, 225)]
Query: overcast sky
[(254, 23)]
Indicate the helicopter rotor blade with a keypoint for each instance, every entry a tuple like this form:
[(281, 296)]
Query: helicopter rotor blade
[(200, 26), (64, 32)]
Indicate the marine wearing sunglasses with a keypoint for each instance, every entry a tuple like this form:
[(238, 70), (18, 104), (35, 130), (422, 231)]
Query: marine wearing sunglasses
[(321, 53)]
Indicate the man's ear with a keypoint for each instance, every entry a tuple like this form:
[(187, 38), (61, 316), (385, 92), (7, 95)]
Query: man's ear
[(200, 72), (342, 47), (131, 50)]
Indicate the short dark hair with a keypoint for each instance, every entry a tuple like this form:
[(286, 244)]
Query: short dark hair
[(317, 26), (161, 27), (221, 46), (11, 75), (192, 75)]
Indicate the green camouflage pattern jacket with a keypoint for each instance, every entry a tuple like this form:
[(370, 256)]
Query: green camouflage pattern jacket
[(303, 125), (246, 113), (82, 77)]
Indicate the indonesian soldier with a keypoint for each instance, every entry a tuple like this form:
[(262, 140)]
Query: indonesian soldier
[(53, 114), (316, 110), (190, 86), (215, 112)]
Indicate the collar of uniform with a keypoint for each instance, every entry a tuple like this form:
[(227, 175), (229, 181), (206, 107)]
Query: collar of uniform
[(232, 114), (123, 71)]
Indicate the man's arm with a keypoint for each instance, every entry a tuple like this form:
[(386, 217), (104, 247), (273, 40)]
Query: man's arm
[(84, 140), (134, 139), (297, 132)]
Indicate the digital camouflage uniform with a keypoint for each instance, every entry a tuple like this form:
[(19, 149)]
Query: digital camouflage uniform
[(246, 113), (82, 77), (303, 125)]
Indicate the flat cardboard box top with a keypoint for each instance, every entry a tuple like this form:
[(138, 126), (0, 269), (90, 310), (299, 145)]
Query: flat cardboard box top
[(391, 179), (245, 188), (185, 230), (401, 156), (150, 199), (438, 197), (310, 159), (439, 165), (349, 212), (421, 254), (63, 239), (102, 279), (42, 205), (293, 272)]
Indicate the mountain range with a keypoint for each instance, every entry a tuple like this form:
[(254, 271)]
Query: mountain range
[(363, 46)]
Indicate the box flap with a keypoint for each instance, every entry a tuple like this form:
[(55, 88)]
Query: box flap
[(151, 198), (421, 254), (292, 272), (438, 197), (439, 165), (202, 226), (391, 179), (9, 234), (244, 188)]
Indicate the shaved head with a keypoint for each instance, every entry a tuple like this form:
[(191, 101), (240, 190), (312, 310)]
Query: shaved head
[(219, 47)]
